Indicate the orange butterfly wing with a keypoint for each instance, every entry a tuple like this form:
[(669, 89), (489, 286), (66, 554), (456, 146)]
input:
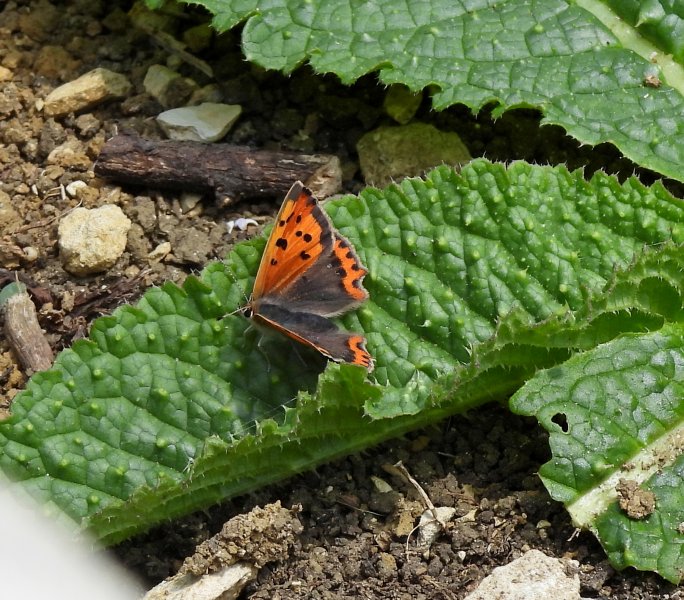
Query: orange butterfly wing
[(301, 233), (309, 272)]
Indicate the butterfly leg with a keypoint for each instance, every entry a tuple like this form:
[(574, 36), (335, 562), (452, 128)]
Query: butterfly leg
[(252, 330), (261, 347), (298, 354), (264, 339)]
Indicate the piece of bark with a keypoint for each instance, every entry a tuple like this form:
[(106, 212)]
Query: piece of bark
[(230, 172), (25, 335)]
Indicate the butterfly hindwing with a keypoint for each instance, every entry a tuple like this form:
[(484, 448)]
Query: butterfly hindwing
[(317, 332)]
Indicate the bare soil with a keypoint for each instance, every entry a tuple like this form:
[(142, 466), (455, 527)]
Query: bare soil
[(357, 540)]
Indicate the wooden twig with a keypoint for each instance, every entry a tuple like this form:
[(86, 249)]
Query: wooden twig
[(230, 172), (25, 335)]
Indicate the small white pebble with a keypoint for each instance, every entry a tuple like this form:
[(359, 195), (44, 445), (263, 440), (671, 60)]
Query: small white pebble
[(74, 186), (30, 253)]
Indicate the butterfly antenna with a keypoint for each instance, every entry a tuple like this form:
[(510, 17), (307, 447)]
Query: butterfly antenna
[(231, 274)]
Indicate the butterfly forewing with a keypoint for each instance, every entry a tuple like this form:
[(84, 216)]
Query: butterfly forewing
[(300, 235)]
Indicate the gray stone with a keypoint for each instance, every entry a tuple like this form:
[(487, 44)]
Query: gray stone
[(207, 122), (389, 154)]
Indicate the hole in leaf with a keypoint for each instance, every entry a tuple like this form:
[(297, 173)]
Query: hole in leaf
[(561, 420)]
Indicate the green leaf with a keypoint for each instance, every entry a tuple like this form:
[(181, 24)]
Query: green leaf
[(584, 66), (615, 414), (477, 279), (658, 21)]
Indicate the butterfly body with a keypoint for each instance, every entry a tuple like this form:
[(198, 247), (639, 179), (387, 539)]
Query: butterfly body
[(308, 273)]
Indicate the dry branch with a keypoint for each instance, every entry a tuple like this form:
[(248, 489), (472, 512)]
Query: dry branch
[(230, 172)]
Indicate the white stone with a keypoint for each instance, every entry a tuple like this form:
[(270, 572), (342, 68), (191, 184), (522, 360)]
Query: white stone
[(225, 584), (207, 122), (70, 154), (533, 576), (31, 253), (381, 485), (430, 528), (88, 90), (92, 240), (189, 200), (73, 188)]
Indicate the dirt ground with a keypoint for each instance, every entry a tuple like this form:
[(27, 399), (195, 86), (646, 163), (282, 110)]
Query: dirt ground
[(354, 543)]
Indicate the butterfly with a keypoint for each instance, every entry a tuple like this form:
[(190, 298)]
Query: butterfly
[(309, 272)]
